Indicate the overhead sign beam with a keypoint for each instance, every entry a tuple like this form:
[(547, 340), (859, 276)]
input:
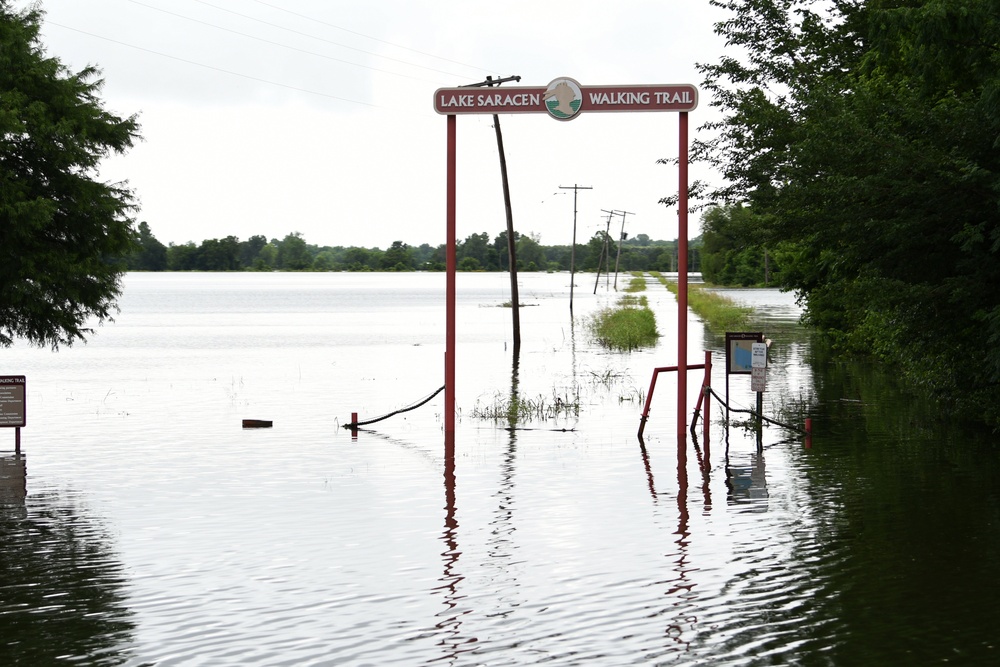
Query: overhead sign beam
[(565, 99)]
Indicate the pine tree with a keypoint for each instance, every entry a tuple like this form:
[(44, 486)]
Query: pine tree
[(63, 232)]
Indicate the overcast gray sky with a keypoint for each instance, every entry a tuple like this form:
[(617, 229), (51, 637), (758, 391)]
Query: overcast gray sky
[(271, 117)]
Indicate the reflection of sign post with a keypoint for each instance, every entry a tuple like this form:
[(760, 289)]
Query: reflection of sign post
[(12, 413)]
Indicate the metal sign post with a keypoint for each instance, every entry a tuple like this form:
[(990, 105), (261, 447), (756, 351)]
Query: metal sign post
[(564, 99)]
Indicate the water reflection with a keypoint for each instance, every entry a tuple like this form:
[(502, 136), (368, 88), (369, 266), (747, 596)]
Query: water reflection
[(449, 625), (681, 613), (746, 483), (62, 588), (877, 546), (501, 543), (13, 484)]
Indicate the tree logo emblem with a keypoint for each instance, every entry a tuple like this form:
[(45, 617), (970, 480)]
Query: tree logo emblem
[(563, 98)]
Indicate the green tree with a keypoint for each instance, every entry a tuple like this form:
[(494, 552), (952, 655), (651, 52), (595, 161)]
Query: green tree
[(530, 256), (500, 256), (867, 137), (182, 257), (477, 247), (62, 231), (735, 248), (592, 257), (325, 261), (293, 254), (250, 249), (398, 257), (267, 257), (218, 254), (152, 255), (360, 259)]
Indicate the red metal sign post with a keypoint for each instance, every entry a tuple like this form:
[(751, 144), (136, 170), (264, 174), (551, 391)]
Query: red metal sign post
[(565, 99)]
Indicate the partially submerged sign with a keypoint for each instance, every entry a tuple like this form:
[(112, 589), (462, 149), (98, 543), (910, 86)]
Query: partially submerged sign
[(758, 367), (12, 397), (565, 99), (739, 351)]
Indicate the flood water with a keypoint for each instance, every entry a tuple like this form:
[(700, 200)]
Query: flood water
[(142, 525)]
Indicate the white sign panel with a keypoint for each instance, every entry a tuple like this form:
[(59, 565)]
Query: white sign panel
[(757, 379), (758, 355)]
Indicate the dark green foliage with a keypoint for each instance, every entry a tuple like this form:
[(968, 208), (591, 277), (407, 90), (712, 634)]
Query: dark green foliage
[(867, 139), (152, 255), (735, 248), (61, 230), (293, 253)]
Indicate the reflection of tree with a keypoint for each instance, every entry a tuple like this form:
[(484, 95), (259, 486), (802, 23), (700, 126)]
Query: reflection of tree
[(61, 589), (906, 533)]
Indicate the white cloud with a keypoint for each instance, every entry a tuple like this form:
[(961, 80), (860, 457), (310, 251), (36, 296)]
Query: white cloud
[(354, 154)]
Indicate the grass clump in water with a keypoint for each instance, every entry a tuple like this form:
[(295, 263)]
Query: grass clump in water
[(637, 283), (629, 326)]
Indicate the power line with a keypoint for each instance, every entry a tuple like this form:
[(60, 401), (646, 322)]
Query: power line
[(279, 44), (359, 34), (322, 39), (212, 67)]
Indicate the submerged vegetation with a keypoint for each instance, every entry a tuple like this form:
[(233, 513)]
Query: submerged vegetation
[(628, 326), (720, 314), (517, 409)]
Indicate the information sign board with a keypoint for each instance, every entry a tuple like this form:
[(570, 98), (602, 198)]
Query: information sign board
[(12, 395), (739, 351)]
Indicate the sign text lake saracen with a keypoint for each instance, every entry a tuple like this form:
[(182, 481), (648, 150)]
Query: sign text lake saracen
[(564, 99)]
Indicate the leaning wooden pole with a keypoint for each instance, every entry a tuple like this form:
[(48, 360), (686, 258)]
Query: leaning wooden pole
[(515, 302)]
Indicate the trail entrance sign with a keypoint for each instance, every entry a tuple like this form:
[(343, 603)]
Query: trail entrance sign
[(564, 99)]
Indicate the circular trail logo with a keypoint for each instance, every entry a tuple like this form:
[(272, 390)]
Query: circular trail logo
[(563, 98)]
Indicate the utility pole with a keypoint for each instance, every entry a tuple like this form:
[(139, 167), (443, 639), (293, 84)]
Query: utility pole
[(572, 249), (603, 249), (511, 253), (621, 238)]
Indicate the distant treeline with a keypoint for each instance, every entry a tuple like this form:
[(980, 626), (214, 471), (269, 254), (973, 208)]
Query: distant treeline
[(475, 253)]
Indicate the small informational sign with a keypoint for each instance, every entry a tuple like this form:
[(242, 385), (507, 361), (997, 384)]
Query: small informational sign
[(758, 379), (12, 393), (739, 351), (758, 355)]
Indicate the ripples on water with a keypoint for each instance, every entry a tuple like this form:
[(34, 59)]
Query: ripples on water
[(144, 527)]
